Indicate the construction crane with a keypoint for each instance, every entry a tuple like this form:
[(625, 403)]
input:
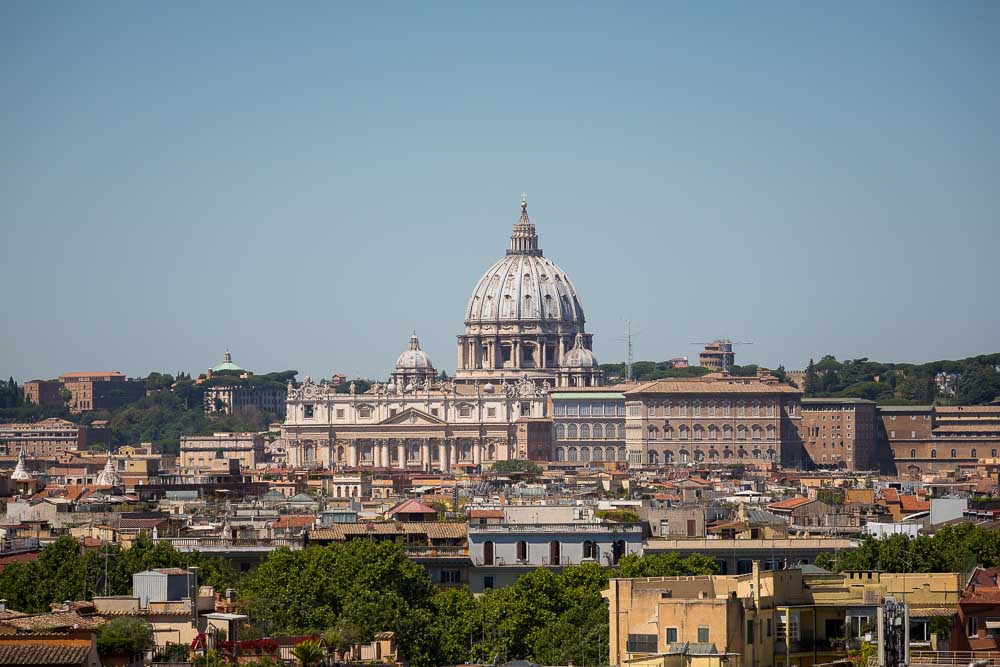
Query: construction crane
[(723, 350)]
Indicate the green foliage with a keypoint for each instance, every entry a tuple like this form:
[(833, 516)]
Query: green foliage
[(63, 571), (941, 625), (125, 636), (952, 549), (309, 653), (664, 565), (653, 370), (172, 652), (622, 515), (360, 386), (830, 496), (517, 465), (210, 659)]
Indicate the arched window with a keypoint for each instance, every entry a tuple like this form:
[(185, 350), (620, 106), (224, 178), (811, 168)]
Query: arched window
[(621, 431), (684, 433), (711, 409), (699, 455), (654, 433), (756, 432), (668, 433), (653, 458), (598, 432), (571, 432), (756, 409), (697, 408), (913, 453), (770, 431), (560, 454), (622, 454), (713, 432), (741, 409), (683, 409), (584, 453), (741, 432), (699, 432), (487, 553), (727, 432), (571, 454), (954, 453), (973, 453), (598, 454), (684, 455), (666, 409), (668, 457), (522, 551), (560, 432), (933, 453), (585, 431)]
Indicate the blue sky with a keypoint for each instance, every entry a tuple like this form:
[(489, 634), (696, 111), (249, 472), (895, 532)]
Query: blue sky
[(306, 183)]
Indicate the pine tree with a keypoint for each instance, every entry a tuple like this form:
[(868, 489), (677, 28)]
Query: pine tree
[(812, 379)]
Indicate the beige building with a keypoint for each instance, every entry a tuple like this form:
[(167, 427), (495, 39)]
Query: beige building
[(932, 439), (780, 617), (198, 452), (716, 418), (101, 390)]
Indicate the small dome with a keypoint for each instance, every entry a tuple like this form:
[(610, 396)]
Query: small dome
[(109, 476), (413, 358), (579, 356), (20, 473)]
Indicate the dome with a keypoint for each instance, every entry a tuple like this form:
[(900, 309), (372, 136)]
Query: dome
[(579, 356), (20, 473), (227, 365), (413, 358), (524, 285), (109, 476)]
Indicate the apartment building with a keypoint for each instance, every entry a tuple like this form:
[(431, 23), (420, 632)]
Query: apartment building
[(839, 433)]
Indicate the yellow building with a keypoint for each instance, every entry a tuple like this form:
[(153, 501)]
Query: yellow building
[(780, 617)]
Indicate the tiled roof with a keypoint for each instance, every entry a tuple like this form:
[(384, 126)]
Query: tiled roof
[(412, 506), (721, 386), (485, 514), (55, 621), (982, 427), (435, 530), (295, 521), (790, 503), (965, 409), (86, 374), (890, 495), (25, 653), (914, 504)]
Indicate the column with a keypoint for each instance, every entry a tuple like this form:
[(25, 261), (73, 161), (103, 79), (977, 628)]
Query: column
[(461, 353), (454, 451), (477, 452), (383, 453), (443, 455), (401, 454), (425, 455), (542, 346), (352, 454)]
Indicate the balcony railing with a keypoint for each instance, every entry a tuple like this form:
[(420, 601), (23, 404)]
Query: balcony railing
[(436, 552), (221, 543), (955, 658)]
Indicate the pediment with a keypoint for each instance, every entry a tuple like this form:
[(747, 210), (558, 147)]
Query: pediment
[(413, 417)]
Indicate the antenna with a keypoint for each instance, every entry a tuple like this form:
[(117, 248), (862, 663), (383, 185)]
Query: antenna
[(627, 339), (724, 350)]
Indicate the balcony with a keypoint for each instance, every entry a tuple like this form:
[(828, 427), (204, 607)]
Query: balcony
[(516, 528), (221, 544), (419, 551)]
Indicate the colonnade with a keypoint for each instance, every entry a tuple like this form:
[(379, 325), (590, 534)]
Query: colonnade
[(427, 454)]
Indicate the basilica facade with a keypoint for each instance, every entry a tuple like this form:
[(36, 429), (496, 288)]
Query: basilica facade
[(524, 336)]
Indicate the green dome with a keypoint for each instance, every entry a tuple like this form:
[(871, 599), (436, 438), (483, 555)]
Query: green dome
[(227, 365)]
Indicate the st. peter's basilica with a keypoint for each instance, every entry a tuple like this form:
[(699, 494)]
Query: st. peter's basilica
[(524, 335)]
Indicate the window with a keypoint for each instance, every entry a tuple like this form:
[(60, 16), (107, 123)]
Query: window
[(491, 412), (913, 418), (364, 412), (525, 409), (585, 431), (913, 434), (633, 410), (768, 627), (340, 413), (522, 551), (788, 622), (954, 453), (464, 411), (308, 410), (434, 412), (585, 409), (703, 635), (560, 432), (670, 636), (392, 412), (571, 432), (641, 644), (892, 418), (750, 632), (971, 626), (993, 453), (913, 453), (892, 434), (488, 583), (451, 577), (560, 410)]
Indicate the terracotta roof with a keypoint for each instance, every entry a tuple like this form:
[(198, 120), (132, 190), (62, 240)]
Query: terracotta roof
[(790, 503), (26, 653), (721, 386), (983, 586), (485, 514), (18, 558), (84, 374), (890, 495), (914, 504), (435, 530), (55, 621), (139, 524), (412, 506)]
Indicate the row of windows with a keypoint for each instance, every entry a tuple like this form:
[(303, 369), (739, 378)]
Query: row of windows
[(590, 454), (684, 456), (590, 431), (973, 453), (698, 432), (725, 408), (591, 409)]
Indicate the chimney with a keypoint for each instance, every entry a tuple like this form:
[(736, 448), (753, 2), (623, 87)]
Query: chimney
[(755, 577)]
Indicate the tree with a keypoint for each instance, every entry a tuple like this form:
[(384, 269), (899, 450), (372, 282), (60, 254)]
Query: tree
[(308, 653), (664, 565), (979, 386), (811, 384), (128, 636)]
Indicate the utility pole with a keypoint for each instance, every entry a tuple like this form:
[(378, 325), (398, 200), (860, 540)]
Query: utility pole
[(627, 339)]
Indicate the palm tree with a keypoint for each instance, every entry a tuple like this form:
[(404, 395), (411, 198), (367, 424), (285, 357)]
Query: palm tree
[(308, 653)]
